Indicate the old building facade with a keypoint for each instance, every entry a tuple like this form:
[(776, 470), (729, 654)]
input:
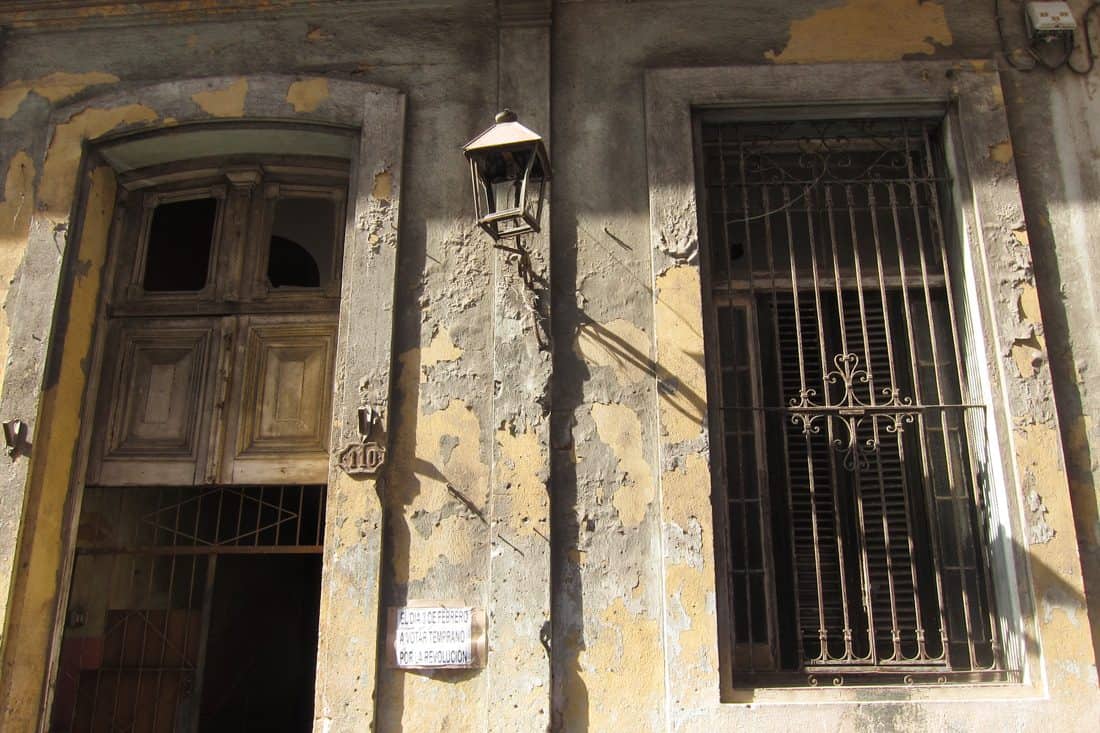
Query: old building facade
[(782, 420)]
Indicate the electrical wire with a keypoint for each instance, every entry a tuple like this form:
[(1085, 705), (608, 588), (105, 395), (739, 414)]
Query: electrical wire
[(1069, 45), (1091, 56)]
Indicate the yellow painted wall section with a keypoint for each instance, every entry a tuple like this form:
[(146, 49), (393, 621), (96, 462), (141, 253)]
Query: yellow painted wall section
[(619, 685), (679, 329), (308, 94), (690, 586), (620, 345), (521, 465), (444, 448), (866, 30), (54, 87), (59, 172), (227, 102), (621, 429), (1055, 564), (50, 475), (15, 220), (442, 348)]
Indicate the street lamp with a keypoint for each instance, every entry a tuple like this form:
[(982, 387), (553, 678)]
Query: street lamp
[(509, 170)]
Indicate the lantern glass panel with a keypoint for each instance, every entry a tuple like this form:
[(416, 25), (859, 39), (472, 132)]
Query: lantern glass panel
[(509, 185)]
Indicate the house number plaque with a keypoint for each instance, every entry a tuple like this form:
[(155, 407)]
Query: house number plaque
[(362, 459), (365, 457)]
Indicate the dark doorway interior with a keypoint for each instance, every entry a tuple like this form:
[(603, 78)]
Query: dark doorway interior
[(262, 648)]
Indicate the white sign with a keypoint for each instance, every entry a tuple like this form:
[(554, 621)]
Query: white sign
[(434, 637)]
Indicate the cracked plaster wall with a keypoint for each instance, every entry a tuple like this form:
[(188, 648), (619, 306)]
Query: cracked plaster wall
[(615, 563)]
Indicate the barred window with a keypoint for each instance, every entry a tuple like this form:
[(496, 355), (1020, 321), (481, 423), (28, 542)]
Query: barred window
[(846, 419)]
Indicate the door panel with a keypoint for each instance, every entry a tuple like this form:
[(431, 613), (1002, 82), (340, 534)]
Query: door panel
[(157, 398), (281, 400)]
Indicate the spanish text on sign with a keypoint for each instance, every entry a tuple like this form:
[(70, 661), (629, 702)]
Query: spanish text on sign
[(434, 637)]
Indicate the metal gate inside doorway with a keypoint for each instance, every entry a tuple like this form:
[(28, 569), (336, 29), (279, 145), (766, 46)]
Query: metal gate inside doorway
[(192, 608)]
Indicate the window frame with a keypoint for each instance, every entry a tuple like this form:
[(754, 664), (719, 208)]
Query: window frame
[(765, 444), (985, 195)]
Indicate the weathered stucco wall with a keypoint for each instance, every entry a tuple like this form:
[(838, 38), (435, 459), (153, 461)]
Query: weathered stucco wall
[(626, 613)]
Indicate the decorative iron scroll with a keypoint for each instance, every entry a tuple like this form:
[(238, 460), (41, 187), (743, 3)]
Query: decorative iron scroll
[(852, 412)]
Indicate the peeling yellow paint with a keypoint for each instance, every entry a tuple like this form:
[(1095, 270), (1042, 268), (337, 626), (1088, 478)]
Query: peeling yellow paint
[(685, 492), (306, 95), (521, 466), (690, 587), (1026, 356), (866, 30), (442, 348), (431, 704), (1021, 237), (620, 428), (998, 96), (1001, 152), (383, 186), (1028, 304), (623, 658), (228, 102), (54, 87), (679, 328), (51, 470), (1039, 456), (15, 219), (620, 345), (423, 468), (59, 172)]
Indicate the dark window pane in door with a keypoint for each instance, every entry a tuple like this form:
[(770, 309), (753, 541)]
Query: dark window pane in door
[(302, 242), (180, 239)]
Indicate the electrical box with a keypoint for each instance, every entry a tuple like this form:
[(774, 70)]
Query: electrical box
[(1049, 21)]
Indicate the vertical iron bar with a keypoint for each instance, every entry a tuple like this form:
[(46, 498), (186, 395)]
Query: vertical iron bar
[(974, 491), (872, 204), (747, 247), (917, 391), (822, 634), (930, 491), (811, 208), (762, 417), (865, 565), (837, 504), (204, 635)]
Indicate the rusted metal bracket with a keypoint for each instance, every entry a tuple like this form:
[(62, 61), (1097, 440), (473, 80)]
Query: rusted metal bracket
[(15, 437)]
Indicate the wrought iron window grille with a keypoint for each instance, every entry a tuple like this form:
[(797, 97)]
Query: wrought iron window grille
[(854, 537)]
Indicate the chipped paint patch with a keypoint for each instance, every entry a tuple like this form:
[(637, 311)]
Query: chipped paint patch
[(683, 383), (59, 172), (685, 492), (619, 345), (1038, 531), (1001, 152), (54, 87), (1028, 304), (521, 499), (442, 348), (866, 30), (15, 220), (383, 186), (1028, 356), (227, 102), (306, 95), (688, 590), (620, 428), (622, 658), (1039, 455)]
